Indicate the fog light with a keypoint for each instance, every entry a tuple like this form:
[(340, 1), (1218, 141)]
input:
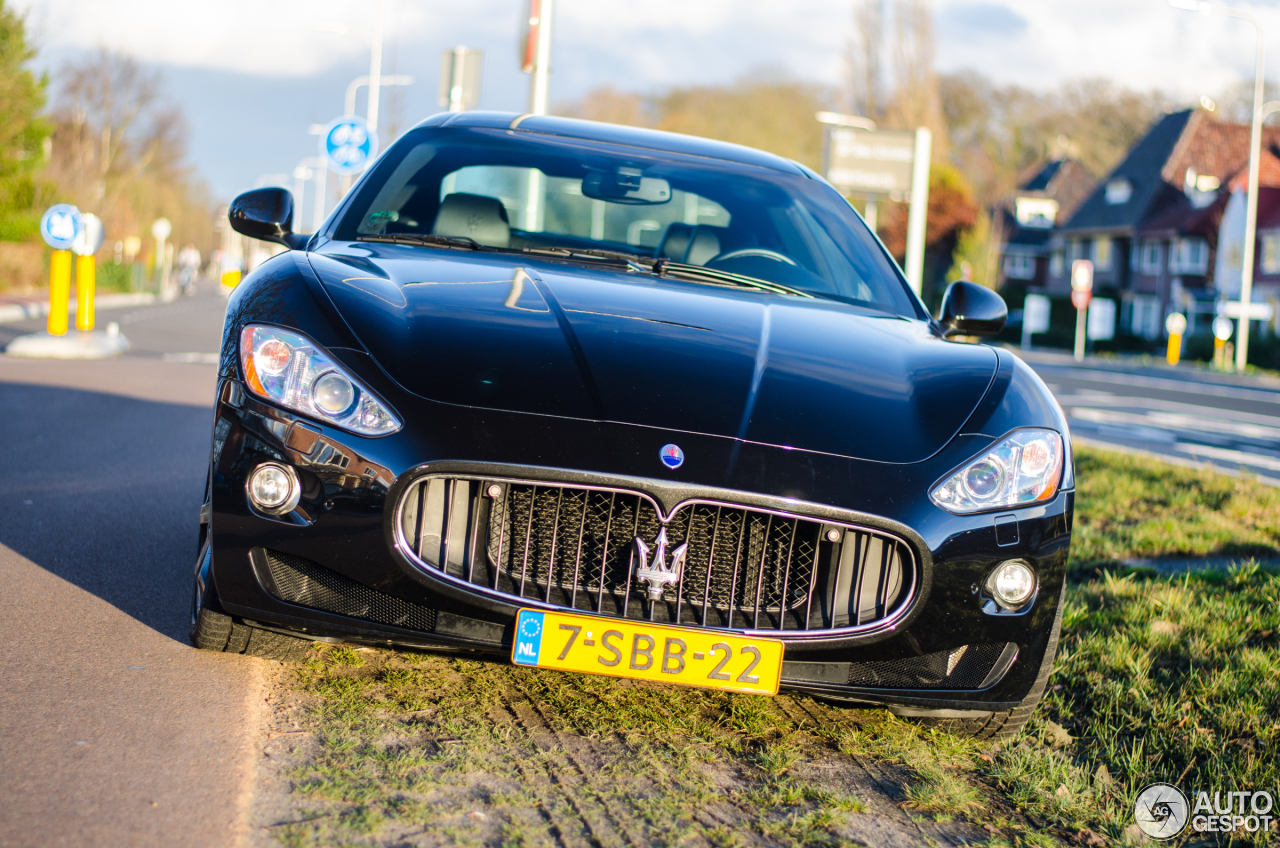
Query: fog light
[(273, 488), (1013, 583)]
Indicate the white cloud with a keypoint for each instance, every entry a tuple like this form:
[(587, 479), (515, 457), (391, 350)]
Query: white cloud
[(1141, 43)]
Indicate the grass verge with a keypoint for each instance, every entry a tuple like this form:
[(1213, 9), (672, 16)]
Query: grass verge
[(1138, 507), (1171, 679)]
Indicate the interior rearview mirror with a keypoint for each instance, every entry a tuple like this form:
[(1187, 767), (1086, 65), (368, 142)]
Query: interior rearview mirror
[(626, 185), (969, 309), (266, 214)]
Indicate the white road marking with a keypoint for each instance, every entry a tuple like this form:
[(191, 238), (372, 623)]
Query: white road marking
[(1227, 455), (1177, 421), (201, 358), (1181, 386)]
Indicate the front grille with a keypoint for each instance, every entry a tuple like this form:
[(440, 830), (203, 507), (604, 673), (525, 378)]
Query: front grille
[(303, 582), (966, 667), (575, 547)]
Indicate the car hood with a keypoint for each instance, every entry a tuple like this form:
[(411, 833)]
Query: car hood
[(524, 335)]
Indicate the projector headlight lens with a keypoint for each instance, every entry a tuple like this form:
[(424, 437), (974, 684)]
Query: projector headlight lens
[(287, 368), (273, 488), (1024, 468), (1013, 583), (333, 393)]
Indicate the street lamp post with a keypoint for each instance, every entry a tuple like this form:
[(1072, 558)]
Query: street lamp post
[(1255, 153), (349, 103), (375, 69), (374, 80)]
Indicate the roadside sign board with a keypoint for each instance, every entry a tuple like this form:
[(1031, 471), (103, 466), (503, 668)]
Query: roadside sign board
[(60, 225), (161, 228), (91, 236), (1080, 298), (460, 72), (1102, 319), (1257, 311), (348, 145), (870, 161), (1035, 314), (1082, 276), (1175, 323)]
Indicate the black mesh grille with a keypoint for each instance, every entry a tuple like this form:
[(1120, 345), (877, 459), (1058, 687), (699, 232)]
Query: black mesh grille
[(962, 668), (303, 582), (576, 547)]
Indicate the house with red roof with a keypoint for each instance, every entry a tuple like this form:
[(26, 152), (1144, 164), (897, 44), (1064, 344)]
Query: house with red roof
[(1152, 226)]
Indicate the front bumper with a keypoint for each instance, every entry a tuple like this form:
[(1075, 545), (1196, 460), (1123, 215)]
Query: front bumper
[(344, 526)]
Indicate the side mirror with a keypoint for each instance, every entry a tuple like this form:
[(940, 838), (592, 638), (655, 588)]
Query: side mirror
[(969, 309), (266, 214)]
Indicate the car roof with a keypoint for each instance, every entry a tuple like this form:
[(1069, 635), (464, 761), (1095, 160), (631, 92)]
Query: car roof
[(615, 134)]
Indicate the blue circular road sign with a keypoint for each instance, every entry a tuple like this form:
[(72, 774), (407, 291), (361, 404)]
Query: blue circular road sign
[(348, 145), (60, 225)]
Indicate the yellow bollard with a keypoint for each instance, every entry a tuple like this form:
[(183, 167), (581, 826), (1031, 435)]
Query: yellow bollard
[(59, 291), (1219, 345), (86, 271), (231, 278), (1175, 349)]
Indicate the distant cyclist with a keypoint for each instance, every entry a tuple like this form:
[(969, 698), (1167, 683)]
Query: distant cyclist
[(188, 268)]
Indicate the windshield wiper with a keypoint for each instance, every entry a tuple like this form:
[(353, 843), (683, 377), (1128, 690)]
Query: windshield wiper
[(634, 261), (425, 239), (663, 268)]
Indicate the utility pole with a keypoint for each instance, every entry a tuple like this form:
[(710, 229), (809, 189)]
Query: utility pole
[(917, 214), (537, 61)]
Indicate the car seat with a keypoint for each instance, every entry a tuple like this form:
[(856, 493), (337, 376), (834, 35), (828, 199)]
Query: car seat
[(473, 216)]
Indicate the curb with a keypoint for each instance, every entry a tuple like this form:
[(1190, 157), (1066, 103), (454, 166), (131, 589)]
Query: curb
[(91, 344), (10, 312)]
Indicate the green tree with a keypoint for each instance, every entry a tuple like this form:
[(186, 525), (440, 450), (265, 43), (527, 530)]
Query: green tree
[(23, 133)]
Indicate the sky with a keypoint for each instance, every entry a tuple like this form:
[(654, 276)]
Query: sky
[(253, 75)]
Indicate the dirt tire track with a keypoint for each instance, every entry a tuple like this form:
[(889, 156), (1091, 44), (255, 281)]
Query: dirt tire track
[(572, 751), (537, 732)]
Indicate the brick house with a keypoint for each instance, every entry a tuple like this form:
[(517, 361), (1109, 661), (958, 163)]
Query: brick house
[(1151, 227), (1050, 194)]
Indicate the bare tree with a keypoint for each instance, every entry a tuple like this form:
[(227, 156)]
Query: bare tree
[(864, 64), (916, 102), (119, 147)]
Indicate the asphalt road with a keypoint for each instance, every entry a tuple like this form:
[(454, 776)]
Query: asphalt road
[(1184, 414), (113, 730)]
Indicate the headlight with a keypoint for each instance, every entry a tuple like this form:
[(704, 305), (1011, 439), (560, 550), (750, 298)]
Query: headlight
[(1023, 469), (296, 373)]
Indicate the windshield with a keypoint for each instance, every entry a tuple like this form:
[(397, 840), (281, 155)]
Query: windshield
[(522, 192)]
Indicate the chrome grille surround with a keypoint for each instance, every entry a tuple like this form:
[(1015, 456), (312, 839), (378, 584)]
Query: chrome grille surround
[(583, 560)]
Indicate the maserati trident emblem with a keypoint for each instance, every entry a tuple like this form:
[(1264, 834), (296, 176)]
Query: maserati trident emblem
[(656, 572)]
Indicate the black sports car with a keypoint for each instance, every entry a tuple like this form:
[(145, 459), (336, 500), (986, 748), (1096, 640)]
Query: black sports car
[(610, 400)]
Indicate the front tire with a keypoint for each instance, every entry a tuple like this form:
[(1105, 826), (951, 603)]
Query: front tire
[(212, 630)]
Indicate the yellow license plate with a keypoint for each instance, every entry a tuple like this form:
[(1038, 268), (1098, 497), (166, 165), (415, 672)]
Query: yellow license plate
[(646, 651)]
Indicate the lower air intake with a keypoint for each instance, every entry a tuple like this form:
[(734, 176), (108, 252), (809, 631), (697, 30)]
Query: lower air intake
[(966, 667), (303, 582)]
